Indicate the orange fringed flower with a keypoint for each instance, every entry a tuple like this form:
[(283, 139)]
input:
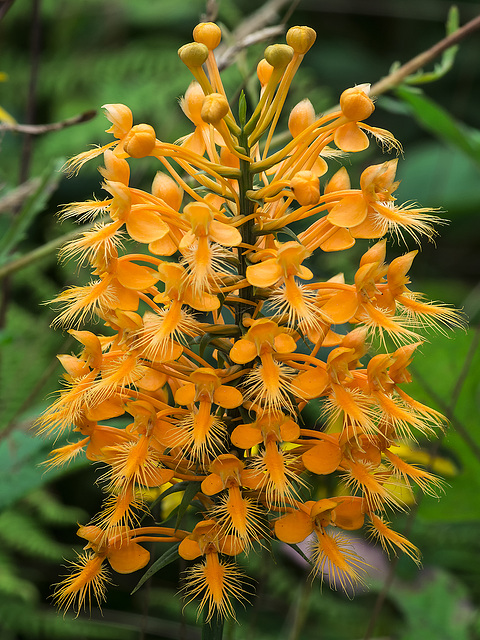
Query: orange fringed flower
[(219, 334)]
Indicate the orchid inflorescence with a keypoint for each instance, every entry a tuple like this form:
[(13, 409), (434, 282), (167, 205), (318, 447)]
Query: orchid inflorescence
[(218, 337)]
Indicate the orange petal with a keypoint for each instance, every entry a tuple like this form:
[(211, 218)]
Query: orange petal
[(227, 397), (332, 339), (369, 228), (349, 212), (289, 431), (310, 384), (111, 408), (189, 549), (349, 514), (185, 394), (231, 545), (212, 484), (294, 527), (163, 247), (75, 367), (339, 240), (264, 274), (173, 352), (152, 380), (134, 276), (323, 458), (340, 181), (169, 435), (320, 167), (128, 558), (245, 437), (194, 142), (304, 273), (144, 225), (157, 477), (243, 351), (284, 343), (103, 436), (341, 307), (350, 137), (224, 234), (252, 478), (201, 301), (126, 299)]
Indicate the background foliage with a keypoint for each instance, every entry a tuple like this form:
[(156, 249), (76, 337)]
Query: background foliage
[(101, 51)]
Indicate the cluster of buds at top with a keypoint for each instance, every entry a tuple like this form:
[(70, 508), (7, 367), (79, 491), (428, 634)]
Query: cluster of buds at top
[(218, 335)]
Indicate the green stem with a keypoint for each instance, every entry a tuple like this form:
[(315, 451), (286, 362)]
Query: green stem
[(245, 184), (212, 630)]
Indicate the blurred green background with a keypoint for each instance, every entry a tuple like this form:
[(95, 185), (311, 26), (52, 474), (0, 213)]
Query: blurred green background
[(63, 58)]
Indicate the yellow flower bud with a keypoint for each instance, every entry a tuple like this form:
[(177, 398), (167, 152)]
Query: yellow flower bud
[(140, 141), (306, 188), (264, 71), (208, 33), (121, 118), (355, 103), (214, 108), (193, 54), (301, 117), (301, 38), (278, 55)]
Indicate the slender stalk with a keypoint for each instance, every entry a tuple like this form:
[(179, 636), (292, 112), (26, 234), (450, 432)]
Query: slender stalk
[(245, 184)]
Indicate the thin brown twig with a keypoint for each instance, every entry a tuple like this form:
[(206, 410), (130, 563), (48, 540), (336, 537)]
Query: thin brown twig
[(38, 129), (40, 252), (396, 77), (418, 62), (4, 7)]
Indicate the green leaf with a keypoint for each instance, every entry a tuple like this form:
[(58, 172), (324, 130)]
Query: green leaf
[(300, 552), (438, 603), (21, 456), (204, 342), (288, 232), (189, 494), (34, 205), (167, 558), (439, 122), (242, 109), (436, 372)]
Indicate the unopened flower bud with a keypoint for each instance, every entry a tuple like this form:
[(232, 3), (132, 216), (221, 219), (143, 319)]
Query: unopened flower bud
[(301, 38), (121, 118), (278, 55), (301, 117), (193, 54), (208, 33), (355, 103), (214, 108), (264, 71), (306, 188), (140, 141)]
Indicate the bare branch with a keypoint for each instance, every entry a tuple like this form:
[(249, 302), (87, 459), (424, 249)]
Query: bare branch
[(225, 58), (418, 62), (38, 129)]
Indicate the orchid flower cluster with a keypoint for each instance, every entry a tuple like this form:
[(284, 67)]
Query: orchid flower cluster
[(218, 335)]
